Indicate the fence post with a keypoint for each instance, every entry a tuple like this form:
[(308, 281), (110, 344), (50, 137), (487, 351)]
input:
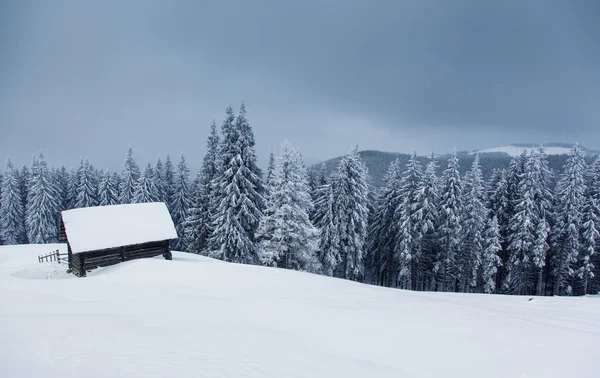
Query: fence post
[(57, 256)]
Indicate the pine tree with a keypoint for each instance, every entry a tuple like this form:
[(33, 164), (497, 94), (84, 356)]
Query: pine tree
[(352, 211), (181, 202), (590, 242), (169, 183), (383, 230), (62, 186), (288, 237), (450, 228), (11, 207), (270, 171), (87, 188), (129, 178), (238, 193), (490, 261), (594, 193), (24, 182), (145, 190), (71, 190), (160, 182), (474, 219), (569, 219), (539, 252), (320, 196), (42, 205), (522, 227), (329, 243), (427, 216), (409, 243), (107, 190), (204, 196)]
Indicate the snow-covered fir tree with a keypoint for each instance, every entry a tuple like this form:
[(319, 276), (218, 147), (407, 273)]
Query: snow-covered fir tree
[(42, 205), (129, 178), (329, 244), (270, 171), (61, 181), (474, 219), (594, 193), (181, 202), (490, 261), (24, 181), (450, 226), (160, 181), (383, 231), (12, 214), (352, 212), (590, 240), (169, 182), (426, 217), (539, 251), (107, 190), (145, 190), (204, 197), (87, 187), (238, 192), (569, 210), (288, 238), (408, 246), (320, 196), (522, 230), (71, 190)]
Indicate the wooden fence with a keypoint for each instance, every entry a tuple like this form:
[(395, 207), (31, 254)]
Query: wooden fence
[(54, 256)]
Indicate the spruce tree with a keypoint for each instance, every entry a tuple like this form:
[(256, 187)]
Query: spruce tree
[(40, 214), (288, 237), (24, 182), (427, 215), (145, 190), (569, 209), (270, 171), (181, 202), (107, 190), (129, 178), (11, 207), (490, 261), (522, 231), (238, 193), (539, 252), (169, 182), (450, 226), (329, 243), (474, 219), (589, 244), (408, 247), (383, 231), (87, 187), (72, 190), (160, 182), (594, 193), (352, 211)]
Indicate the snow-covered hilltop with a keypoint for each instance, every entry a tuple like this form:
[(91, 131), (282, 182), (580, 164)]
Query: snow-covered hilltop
[(198, 317), (517, 149)]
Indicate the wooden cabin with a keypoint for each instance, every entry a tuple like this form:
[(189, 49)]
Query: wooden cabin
[(107, 235)]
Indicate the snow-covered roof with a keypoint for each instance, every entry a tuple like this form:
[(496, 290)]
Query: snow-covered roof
[(94, 228)]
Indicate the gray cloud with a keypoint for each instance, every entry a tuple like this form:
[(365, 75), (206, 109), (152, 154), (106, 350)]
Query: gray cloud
[(85, 78)]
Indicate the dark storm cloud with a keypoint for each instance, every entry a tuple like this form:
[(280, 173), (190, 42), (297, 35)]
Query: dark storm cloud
[(88, 78)]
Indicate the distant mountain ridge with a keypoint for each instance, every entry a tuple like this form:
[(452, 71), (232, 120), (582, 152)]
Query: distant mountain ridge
[(378, 162)]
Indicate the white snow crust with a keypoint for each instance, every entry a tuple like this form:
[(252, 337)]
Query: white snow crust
[(101, 227), (197, 317)]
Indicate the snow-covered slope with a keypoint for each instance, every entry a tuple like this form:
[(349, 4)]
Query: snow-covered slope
[(516, 150), (196, 317)]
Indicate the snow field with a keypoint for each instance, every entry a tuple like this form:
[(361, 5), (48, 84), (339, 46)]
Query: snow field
[(198, 317)]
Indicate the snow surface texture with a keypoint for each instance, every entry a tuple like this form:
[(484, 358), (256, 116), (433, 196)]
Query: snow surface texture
[(197, 317), (516, 151), (101, 227)]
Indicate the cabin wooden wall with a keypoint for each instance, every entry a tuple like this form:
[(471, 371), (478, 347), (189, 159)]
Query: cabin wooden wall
[(83, 262)]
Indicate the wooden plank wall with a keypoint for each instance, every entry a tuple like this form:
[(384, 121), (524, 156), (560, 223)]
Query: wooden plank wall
[(83, 262)]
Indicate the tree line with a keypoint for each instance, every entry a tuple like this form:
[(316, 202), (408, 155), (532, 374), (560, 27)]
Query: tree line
[(525, 231)]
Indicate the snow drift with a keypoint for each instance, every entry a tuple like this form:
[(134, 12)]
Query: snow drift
[(197, 317)]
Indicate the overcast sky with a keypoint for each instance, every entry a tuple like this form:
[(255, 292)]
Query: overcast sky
[(88, 78)]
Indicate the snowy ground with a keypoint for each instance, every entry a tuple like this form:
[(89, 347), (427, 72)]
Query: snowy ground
[(196, 317)]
